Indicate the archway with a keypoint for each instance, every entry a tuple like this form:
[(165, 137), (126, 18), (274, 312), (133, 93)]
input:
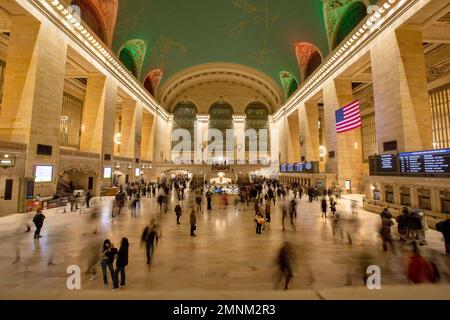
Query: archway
[(92, 17), (355, 13), (184, 117), (257, 118)]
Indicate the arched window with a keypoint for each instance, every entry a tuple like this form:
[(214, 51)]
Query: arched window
[(184, 116), (355, 13), (257, 119), (92, 17), (289, 82), (149, 86), (221, 118), (314, 61), (132, 55), (126, 57), (293, 86)]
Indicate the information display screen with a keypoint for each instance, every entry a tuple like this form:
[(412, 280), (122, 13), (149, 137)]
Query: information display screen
[(425, 162), (107, 172), (434, 163), (387, 163), (300, 167), (43, 174)]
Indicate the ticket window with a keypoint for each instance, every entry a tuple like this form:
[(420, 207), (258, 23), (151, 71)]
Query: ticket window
[(424, 199), (445, 202), (389, 194), (405, 196)]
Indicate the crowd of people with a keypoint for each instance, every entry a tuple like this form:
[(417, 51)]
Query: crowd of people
[(262, 195)]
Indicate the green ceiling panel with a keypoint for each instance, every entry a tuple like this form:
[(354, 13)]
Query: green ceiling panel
[(257, 33)]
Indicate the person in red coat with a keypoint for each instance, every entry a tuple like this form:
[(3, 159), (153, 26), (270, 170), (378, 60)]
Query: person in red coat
[(420, 270)]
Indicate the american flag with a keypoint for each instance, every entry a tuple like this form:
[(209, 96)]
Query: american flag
[(348, 117)]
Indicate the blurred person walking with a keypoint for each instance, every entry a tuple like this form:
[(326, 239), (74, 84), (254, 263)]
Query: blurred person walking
[(386, 224), (324, 207), (178, 212), (150, 237), (193, 222), (285, 261)]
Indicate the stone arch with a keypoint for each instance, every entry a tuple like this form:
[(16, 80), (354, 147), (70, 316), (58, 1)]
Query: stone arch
[(354, 14), (257, 118), (152, 81), (92, 16), (289, 82), (132, 55), (309, 57), (184, 117)]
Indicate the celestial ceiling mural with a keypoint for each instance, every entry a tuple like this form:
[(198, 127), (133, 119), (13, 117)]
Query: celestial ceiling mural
[(257, 33)]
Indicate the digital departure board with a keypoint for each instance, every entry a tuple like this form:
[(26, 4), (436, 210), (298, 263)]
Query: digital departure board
[(387, 163), (300, 167), (433, 163), (425, 162)]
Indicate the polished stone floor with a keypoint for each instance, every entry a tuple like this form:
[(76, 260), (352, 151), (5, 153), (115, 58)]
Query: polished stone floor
[(226, 254)]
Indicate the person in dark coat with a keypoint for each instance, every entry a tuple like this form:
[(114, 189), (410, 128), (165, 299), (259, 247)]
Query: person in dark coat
[(444, 228), (414, 225), (402, 221), (193, 221), (285, 261), (107, 256), (121, 263), (150, 236), (209, 200), (38, 221), (88, 198), (324, 207), (386, 224), (178, 212)]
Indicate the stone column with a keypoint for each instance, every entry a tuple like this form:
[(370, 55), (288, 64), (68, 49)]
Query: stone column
[(130, 123), (402, 110), (347, 147), (98, 121), (239, 138), (146, 132), (99, 115), (33, 93), (293, 136), (201, 124), (308, 114)]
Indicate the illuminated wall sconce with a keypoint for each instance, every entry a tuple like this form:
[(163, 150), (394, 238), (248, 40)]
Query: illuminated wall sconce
[(356, 145), (130, 166)]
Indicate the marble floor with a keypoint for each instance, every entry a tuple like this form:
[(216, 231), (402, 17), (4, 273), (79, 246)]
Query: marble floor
[(226, 254)]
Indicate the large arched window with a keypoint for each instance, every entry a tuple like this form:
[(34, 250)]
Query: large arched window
[(355, 13), (257, 119), (132, 55), (221, 118), (126, 57), (314, 61), (184, 117), (92, 17)]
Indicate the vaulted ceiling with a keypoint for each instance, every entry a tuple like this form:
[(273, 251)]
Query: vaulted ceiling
[(256, 33)]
